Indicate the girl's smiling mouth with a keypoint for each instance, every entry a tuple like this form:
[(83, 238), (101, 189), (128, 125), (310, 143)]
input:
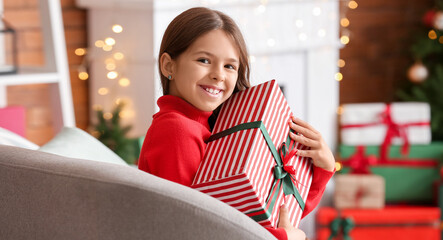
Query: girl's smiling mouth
[(211, 90)]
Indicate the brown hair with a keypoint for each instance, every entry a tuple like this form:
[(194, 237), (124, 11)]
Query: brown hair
[(190, 25)]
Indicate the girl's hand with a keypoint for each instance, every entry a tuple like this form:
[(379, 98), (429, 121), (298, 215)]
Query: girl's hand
[(292, 232), (320, 153)]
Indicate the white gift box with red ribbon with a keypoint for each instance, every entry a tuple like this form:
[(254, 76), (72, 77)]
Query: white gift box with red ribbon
[(249, 161), (372, 123)]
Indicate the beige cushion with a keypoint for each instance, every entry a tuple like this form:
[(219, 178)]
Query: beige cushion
[(12, 139), (76, 143)]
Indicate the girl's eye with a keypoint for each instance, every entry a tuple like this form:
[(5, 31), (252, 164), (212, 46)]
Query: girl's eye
[(203, 60), (229, 66)]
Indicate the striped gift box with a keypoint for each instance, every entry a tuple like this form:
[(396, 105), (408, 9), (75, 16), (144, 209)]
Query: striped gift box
[(245, 157)]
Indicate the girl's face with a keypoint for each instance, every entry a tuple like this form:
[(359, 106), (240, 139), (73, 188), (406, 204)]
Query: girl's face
[(206, 73)]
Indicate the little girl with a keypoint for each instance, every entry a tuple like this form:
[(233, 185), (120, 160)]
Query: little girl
[(202, 61)]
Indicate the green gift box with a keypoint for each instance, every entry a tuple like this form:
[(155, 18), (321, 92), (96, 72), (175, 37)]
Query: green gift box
[(409, 179)]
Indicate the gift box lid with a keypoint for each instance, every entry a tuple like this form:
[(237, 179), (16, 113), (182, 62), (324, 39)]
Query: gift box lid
[(387, 215)]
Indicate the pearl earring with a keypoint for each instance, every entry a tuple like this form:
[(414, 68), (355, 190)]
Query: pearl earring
[(169, 77)]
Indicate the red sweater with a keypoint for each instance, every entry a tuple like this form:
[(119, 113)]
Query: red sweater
[(175, 144)]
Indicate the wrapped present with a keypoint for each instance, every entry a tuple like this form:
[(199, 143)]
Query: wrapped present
[(250, 161), (382, 124), (13, 118), (359, 191), (392, 222), (408, 179)]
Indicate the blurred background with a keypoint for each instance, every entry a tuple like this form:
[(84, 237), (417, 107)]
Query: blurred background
[(92, 64)]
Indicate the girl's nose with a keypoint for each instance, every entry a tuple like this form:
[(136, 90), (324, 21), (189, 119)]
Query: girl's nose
[(217, 73)]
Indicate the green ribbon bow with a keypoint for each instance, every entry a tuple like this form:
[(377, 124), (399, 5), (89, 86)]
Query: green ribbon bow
[(282, 178), (345, 224)]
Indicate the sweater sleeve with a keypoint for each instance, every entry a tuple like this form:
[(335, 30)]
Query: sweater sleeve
[(318, 185), (172, 151)]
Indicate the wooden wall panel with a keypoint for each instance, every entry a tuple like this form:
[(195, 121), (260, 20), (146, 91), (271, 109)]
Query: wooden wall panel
[(378, 56), (25, 18)]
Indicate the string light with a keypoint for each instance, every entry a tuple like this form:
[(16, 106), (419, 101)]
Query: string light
[(118, 56), (338, 166), (107, 115), (80, 51), (110, 41), (344, 22), (111, 66), (103, 91), (99, 43), (112, 75), (117, 28), (107, 48), (341, 63), (344, 39), (432, 35), (83, 75), (124, 82), (340, 110), (352, 4), (338, 77)]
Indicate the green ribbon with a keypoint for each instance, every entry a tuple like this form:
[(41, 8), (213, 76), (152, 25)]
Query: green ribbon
[(282, 178), (345, 224)]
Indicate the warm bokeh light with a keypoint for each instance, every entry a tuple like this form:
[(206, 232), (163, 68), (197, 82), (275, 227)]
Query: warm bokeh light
[(107, 115), (80, 51), (103, 91), (83, 75), (118, 56), (99, 43), (344, 39), (339, 110), (338, 76), (111, 66), (440, 39), (344, 22), (112, 75), (341, 63), (352, 4), (126, 114), (124, 82), (432, 35), (338, 166), (107, 48), (117, 28), (110, 41)]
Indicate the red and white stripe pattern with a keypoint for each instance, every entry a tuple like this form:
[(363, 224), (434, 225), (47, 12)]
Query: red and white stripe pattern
[(238, 169)]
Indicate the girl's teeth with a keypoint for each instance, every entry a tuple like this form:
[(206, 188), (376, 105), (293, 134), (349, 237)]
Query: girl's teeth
[(212, 90)]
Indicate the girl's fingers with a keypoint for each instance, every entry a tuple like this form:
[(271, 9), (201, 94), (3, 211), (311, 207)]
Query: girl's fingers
[(305, 153), (300, 129), (304, 140)]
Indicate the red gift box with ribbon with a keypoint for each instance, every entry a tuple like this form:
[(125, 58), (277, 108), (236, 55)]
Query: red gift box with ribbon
[(392, 222), (385, 124), (250, 161)]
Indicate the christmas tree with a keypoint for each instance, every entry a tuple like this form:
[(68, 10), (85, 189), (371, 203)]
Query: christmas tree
[(426, 74), (113, 135)]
